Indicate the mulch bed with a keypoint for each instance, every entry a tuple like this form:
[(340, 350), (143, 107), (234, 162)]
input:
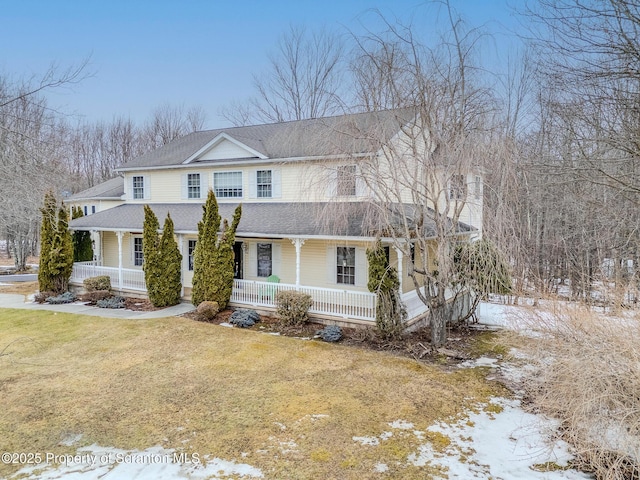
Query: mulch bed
[(415, 345)]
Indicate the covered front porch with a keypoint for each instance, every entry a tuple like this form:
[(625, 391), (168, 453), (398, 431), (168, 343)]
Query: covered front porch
[(329, 304)]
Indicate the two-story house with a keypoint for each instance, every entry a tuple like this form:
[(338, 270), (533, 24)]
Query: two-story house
[(305, 219)]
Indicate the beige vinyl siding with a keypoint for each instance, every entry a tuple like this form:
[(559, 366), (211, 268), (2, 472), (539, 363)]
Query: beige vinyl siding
[(299, 182), (110, 250), (225, 150)]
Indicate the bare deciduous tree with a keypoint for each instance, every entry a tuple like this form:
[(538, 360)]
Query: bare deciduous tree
[(304, 80)]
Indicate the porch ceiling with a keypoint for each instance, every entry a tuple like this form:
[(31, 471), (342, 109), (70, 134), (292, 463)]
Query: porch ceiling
[(322, 219)]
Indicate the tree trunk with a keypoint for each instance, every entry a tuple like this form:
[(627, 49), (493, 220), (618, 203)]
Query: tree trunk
[(438, 320)]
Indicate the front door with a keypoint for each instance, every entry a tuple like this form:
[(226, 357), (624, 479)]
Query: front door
[(237, 253)]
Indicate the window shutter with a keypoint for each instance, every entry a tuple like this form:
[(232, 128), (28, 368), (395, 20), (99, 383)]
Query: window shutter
[(276, 258), (332, 182), (276, 180), (204, 185), (147, 187), (331, 265), (362, 270), (132, 250), (253, 184), (184, 186), (253, 259), (361, 186)]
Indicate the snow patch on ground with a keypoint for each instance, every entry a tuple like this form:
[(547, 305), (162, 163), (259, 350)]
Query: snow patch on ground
[(505, 445)]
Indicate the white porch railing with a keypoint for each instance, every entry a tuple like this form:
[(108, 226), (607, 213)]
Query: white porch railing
[(327, 301), (131, 279)]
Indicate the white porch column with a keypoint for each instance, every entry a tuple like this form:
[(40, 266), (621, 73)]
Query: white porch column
[(180, 242), (400, 255), (120, 235), (298, 242)]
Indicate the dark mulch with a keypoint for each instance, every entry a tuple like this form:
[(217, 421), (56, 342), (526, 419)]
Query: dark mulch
[(415, 345)]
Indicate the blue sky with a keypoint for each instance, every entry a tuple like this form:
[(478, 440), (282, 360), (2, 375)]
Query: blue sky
[(193, 52)]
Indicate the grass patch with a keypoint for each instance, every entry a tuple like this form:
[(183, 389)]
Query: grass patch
[(22, 288), (487, 344), (270, 401)]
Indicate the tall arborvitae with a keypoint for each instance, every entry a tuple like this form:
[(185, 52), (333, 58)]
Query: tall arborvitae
[(213, 261), (384, 282), (47, 230), (151, 265), (169, 258), (60, 261), (82, 246)]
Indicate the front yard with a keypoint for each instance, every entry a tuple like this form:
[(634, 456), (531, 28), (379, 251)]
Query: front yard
[(288, 407)]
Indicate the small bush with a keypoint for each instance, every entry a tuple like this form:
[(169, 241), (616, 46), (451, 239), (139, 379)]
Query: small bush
[(66, 297), (330, 333), (102, 282), (244, 318), (94, 296), (207, 311), (293, 307), (41, 297), (111, 302)]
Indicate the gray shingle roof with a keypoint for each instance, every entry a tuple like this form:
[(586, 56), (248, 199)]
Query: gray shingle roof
[(111, 189), (344, 219), (344, 134)]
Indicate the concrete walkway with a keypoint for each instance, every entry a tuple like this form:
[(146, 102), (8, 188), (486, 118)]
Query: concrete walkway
[(12, 300)]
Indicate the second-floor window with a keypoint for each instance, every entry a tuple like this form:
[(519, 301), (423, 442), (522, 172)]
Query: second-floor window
[(458, 187), (346, 176), (228, 184), (263, 184), (193, 185), (138, 187)]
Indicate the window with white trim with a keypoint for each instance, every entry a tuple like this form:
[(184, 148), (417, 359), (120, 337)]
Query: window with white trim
[(346, 177), (264, 184), (93, 209), (86, 211), (138, 187), (138, 256), (346, 265), (458, 187), (265, 259), (193, 185), (227, 184), (191, 248)]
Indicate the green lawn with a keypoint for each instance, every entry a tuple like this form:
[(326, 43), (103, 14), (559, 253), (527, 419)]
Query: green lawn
[(290, 407)]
